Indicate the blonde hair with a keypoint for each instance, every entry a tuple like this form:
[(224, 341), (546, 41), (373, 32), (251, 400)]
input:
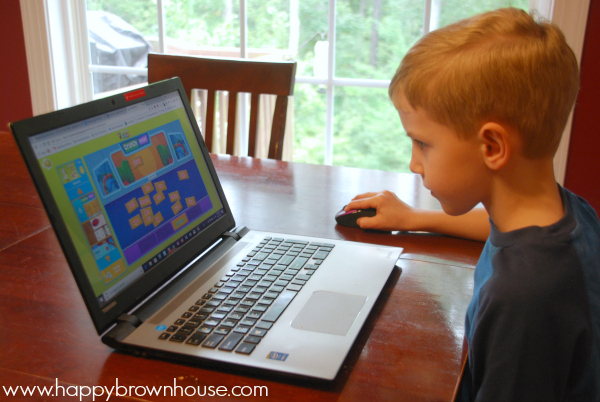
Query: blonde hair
[(501, 66)]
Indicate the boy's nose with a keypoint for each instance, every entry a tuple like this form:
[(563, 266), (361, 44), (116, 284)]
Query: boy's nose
[(415, 167)]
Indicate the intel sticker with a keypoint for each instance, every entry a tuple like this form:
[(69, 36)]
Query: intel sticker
[(161, 327), (277, 356)]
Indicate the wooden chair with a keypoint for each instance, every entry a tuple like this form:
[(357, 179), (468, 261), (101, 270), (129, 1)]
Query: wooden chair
[(233, 75)]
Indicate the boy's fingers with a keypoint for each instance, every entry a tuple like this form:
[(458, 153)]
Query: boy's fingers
[(363, 196), (367, 222), (360, 204)]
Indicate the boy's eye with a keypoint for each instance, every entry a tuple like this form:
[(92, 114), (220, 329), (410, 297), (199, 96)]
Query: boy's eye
[(420, 144)]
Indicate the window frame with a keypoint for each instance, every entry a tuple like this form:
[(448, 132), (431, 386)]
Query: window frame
[(60, 74)]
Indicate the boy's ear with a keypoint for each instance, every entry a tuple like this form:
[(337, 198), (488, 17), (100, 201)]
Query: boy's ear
[(496, 145)]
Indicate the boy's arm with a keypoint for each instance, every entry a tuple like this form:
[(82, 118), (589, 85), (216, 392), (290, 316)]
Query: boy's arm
[(394, 214)]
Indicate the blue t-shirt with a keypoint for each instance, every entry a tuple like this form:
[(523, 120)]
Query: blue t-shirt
[(533, 324)]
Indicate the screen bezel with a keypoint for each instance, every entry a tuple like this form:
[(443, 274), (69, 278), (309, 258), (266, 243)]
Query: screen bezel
[(136, 292)]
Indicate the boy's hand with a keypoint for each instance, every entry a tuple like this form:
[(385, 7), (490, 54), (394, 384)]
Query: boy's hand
[(392, 213)]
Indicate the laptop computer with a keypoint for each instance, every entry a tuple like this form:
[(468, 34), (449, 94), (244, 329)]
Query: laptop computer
[(145, 226)]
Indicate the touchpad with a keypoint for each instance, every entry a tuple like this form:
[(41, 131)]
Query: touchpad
[(329, 312)]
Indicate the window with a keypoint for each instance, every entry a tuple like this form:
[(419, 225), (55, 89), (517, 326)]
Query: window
[(347, 51)]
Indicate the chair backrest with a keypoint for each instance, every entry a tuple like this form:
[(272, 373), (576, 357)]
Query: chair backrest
[(233, 75)]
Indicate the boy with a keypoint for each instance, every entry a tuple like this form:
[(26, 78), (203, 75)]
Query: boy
[(484, 102)]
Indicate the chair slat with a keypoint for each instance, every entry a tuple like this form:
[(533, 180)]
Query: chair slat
[(278, 128), (254, 109), (210, 119), (231, 117)]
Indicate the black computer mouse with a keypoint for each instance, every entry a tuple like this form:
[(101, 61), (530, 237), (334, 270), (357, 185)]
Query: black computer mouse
[(349, 218)]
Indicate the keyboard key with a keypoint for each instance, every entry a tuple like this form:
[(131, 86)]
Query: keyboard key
[(241, 329), (221, 330), (266, 301), (279, 305), (264, 325), (178, 338), (258, 332), (186, 330), (261, 256), (194, 323), (254, 314), (164, 336), (286, 260), (252, 339), (248, 321), (276, 288), (196, 339), (226, 291), (320, 255), (299, 263), (200, 316), (213, 340), (245, 348), (236, 315), (231, 341), (211, 322), (295, 288), (260, 307), (229, 323)]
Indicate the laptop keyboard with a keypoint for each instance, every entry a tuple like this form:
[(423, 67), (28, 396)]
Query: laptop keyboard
[(239, 310)]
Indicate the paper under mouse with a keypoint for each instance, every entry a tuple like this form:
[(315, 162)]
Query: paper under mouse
[(349, 218)]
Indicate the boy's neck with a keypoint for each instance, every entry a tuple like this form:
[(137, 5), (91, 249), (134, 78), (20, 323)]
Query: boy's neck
[(525, 194)]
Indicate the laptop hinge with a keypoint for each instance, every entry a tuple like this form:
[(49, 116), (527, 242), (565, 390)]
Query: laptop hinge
[(236, 234), (131, 319)]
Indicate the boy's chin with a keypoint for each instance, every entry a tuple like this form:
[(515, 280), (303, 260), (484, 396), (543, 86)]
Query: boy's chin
[(455, 210)]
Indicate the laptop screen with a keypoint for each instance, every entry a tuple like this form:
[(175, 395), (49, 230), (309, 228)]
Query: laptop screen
[(132, 188)]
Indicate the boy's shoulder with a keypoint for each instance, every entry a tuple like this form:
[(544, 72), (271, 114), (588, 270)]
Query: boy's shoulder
[(533, 264)]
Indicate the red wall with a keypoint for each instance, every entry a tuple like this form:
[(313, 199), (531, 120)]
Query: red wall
[(583, 166), (15, 97)]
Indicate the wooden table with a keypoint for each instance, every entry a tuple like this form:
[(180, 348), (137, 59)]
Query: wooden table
[(409, 349)]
